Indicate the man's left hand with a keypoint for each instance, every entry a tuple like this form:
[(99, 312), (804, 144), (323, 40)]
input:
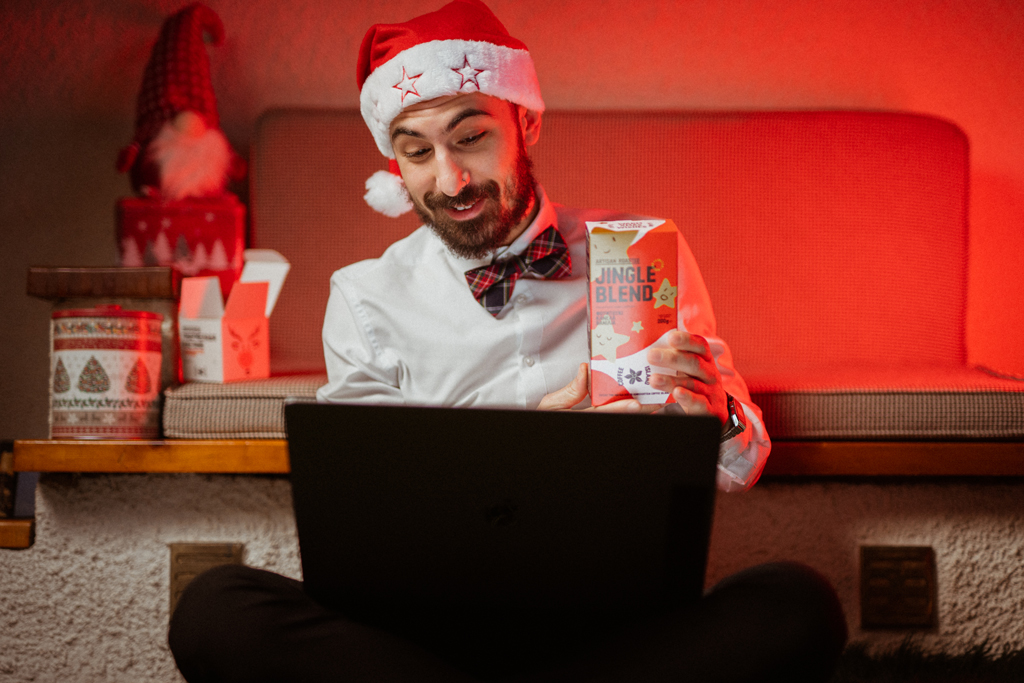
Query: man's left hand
[(697, 386)]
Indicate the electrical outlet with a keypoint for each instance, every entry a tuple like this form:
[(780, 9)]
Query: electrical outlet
[(897, 587), (188, 560)]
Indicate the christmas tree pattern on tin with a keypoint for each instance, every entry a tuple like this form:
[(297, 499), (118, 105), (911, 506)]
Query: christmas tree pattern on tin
[(138, 381), (61, 380), (94, 379)]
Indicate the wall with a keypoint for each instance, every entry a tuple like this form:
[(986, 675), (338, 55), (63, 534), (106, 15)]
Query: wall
[(72, 70), (89, 601)]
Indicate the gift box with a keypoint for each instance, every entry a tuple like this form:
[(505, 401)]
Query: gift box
[(198, 237), (226, 343)]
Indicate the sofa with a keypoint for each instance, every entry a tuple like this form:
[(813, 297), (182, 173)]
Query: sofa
[(833, 244)]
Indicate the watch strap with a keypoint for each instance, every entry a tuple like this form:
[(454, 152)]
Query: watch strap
[(733, 425)]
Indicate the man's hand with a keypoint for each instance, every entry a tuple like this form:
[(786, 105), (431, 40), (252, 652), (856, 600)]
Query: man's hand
[(577, 390), (697, 387)]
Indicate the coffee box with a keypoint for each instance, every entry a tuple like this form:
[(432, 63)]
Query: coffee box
[(633, 275), (230, 342)]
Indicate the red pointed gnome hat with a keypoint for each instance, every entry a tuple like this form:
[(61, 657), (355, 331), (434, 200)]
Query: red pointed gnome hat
[(177, 77), (460, 48)]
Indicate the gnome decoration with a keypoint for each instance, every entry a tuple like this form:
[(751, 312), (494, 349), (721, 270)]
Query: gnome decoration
[(180, 162), (179, 150)]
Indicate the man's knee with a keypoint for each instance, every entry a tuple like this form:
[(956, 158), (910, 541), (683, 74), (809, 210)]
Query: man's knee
[(217, 614), (795, 608)]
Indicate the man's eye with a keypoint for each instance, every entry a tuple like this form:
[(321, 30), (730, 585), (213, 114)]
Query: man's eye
[(416, 153), (473, 139)]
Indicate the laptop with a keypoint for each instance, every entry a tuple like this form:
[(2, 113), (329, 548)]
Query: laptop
[(464, 511)]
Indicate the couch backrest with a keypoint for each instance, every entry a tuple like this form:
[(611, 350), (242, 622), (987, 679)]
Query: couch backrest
[(826, 238)]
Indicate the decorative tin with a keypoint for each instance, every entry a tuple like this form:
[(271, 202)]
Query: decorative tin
[(105, 374)]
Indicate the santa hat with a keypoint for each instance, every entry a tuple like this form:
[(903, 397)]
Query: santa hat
[(177, 77), (460, 48)]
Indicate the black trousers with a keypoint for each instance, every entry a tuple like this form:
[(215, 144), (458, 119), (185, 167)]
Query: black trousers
[(771, 622)]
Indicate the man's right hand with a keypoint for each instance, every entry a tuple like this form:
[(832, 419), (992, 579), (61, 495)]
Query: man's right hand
[(575, 391)]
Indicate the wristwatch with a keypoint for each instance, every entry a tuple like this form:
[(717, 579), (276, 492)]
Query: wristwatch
[(733, 424)]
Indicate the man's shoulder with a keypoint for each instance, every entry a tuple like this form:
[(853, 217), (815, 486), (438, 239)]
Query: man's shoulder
[(405, 255)]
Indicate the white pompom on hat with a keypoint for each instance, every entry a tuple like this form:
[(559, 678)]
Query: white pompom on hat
[(460, 48)]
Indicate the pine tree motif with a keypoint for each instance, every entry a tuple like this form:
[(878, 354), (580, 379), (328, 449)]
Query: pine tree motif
[(130, 256), (138, 381), (199, 259), (218, 257), (94, 379), (61, 380), (162, 250)]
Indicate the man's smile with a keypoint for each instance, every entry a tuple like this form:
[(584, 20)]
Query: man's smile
[(463, 212)]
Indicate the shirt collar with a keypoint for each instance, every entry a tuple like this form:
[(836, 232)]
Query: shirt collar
[(545, 218)]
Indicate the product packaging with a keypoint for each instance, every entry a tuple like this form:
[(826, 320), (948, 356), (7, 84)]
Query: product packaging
[(632, 270), (229, 342)]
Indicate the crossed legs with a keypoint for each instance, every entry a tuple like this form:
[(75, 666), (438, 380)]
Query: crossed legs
[(771, 622)]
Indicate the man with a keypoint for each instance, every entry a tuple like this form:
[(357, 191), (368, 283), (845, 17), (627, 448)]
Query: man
[(405, 328), (486, 305)]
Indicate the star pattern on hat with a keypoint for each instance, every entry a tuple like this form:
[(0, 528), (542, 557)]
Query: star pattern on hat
[(468, 74), (407, 85)]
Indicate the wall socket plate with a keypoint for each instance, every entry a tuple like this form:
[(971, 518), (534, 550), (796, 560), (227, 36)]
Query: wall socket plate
[(898, 587), (188, 560)]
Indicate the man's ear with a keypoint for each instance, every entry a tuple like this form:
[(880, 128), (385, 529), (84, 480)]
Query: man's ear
[(529, 123)]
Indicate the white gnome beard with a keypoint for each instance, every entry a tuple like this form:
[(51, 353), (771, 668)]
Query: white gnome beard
[(190, 165)]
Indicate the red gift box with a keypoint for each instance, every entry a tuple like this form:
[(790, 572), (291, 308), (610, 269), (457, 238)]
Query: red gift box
[(198, 237)]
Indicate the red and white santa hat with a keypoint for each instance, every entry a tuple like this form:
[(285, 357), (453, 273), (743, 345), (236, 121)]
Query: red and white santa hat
[(177, 77), (460, 48)]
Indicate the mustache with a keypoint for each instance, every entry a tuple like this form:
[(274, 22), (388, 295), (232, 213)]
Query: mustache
[(470, 194)]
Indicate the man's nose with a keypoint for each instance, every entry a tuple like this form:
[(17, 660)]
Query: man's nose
[(451, 176)]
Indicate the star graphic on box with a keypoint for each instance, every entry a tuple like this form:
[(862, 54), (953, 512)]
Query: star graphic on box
[(468, 74), (407, 85)]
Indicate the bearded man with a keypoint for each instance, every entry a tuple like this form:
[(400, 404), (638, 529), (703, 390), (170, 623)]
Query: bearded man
[(485, 305)]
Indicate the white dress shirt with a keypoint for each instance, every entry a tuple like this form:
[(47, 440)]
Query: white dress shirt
[(405, 329)]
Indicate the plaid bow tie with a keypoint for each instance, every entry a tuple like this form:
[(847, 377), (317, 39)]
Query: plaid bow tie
[(546, 257)]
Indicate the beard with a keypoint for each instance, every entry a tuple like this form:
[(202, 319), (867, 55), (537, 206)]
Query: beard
[(483, 234)]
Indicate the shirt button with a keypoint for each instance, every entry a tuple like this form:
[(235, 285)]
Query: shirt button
[(529, 361), (521, 299)]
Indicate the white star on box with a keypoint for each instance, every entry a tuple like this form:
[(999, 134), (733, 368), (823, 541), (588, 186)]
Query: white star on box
[(468, 74), (407, 85)]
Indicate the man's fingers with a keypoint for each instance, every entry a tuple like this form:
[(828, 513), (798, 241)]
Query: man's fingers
[(669, 382), (629, 405), (691, 403), (685, 363), (694, 343), (687, 354), (569, 395)]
